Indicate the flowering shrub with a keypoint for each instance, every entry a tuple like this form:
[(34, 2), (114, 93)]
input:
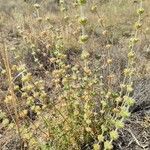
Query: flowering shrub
[(72, 104)]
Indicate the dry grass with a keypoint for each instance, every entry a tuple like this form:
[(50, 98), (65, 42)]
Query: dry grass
[(53, 89)]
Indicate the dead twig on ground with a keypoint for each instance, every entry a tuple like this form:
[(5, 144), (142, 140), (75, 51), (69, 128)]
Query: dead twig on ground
[(136, 140)]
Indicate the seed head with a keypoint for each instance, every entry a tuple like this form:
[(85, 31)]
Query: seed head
[(83, 21), (37, 6), (129, 101), (94, 9), (124, 113), (96, 147), (39, 19), (131, 55), (85, 54), (140, 11), (114, 135), (119, 124), (100, 138), (82, 2), (84, 38), (138, 25), (108, 145)]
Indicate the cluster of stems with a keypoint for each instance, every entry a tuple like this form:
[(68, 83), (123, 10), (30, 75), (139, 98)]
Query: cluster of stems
[(83, 110)]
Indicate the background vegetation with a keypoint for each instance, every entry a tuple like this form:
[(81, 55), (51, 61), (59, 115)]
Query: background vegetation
[(74, 74)]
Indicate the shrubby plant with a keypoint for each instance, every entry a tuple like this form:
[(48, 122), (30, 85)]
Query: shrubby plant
[(71, 106)]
